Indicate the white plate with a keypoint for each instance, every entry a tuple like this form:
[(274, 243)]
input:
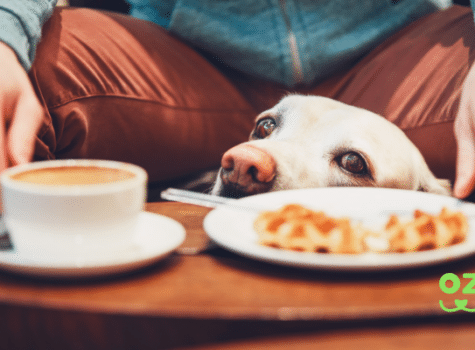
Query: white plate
[(156, 237), (232, 228)]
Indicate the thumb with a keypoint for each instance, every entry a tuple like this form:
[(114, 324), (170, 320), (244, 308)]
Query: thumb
[(24, 126)]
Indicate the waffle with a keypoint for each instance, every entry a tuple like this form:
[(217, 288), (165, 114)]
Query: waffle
[(297, 228), (426, 231)]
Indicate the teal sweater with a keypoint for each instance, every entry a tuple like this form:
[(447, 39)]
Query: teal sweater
[(286, 41)]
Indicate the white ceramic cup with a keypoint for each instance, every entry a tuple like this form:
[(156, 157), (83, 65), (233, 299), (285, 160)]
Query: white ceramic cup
[(75, 215)]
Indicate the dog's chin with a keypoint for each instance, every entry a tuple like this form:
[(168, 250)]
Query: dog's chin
[(232, 192), (235, 191)]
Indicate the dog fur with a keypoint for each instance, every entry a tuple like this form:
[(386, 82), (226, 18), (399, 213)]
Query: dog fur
[(312, 141)]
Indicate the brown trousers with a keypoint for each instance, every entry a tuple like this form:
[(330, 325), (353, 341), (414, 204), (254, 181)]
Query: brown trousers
[(124, 89)]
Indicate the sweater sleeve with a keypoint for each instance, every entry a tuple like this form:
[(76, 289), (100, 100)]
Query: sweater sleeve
[(20, 25)]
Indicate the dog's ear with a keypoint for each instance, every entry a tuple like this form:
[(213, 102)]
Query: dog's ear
[(427, 181), (433, 185)]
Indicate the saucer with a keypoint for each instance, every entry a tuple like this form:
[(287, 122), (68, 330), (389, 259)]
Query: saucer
[(155, 237)]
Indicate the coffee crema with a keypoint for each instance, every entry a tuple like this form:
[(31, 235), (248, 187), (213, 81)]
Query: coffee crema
[(73, 175)]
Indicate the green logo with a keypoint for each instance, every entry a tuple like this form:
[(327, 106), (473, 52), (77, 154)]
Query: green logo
[(468, 289)]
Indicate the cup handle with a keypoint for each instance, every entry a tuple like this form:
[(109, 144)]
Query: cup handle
[(5, 241)]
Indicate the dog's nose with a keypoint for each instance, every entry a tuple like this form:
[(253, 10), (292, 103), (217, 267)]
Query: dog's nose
[(247, 166)]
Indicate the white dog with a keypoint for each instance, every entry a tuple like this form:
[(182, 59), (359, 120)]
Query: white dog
[(311, 141)]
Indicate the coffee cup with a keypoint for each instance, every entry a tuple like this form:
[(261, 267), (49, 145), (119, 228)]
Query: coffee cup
[(72, 209)]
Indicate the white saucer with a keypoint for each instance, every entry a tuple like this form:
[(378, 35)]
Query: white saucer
[(156, 237)]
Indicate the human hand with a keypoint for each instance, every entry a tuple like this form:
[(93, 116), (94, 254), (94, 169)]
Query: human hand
[(21, 113), (464, 130)]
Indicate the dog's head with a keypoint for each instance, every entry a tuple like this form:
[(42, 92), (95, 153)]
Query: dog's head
[(311, 141)]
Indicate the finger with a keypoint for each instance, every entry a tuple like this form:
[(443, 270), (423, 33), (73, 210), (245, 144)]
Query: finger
[(3, 152), (23, 129), (3, 149), (465, 136), (465, 177)]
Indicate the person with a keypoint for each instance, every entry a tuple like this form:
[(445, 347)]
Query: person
[(174, 85)]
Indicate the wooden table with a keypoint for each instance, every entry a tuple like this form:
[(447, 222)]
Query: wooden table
[(219, 300)]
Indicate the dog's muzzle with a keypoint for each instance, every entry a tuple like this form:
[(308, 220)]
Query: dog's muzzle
[(246, 170)]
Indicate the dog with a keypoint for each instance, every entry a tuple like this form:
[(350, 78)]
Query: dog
[(314, 141)]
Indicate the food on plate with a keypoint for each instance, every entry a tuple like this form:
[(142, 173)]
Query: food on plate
[(426, 231), (298, 228)]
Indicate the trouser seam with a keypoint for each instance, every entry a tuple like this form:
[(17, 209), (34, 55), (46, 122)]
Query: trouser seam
[(49, 122), (62, 104)]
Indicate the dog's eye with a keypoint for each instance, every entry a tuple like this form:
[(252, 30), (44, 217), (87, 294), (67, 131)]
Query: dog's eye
[(264, 128), (353, 163)]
